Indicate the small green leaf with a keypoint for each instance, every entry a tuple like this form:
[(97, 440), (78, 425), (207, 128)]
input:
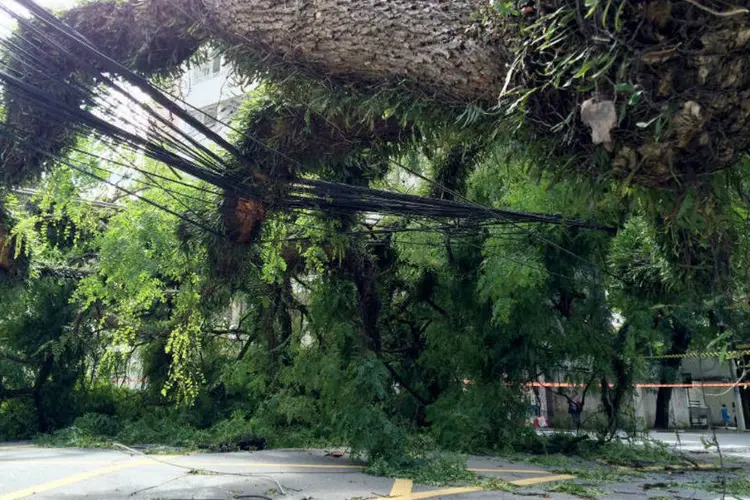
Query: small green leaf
[(604, 15), (584, 69), (625, 87), (658, 127), (618, 17), (621, 114)]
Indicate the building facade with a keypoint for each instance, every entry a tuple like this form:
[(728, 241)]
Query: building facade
[(211, 94)]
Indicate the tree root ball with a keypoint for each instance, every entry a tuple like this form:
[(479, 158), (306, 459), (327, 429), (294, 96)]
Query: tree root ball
[(242, 219)]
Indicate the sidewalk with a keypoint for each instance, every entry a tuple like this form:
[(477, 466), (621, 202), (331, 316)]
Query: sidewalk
[(732, 443)]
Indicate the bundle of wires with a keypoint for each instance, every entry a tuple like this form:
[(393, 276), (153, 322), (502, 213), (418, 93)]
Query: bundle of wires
[(97, 109)]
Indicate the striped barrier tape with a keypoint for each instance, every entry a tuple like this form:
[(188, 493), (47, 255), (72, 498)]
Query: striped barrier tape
[(704, 354), (697, 385)]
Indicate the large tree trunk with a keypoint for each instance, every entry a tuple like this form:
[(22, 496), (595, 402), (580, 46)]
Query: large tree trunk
[(436, 45), (667, 369), (613, 398), (689, 65), (41, 379), (429, 42), (668, 372), (464, 52), (363, 272)]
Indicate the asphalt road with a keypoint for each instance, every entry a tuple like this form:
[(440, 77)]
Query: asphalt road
[(68, 473), (47, 473), (732, 443)]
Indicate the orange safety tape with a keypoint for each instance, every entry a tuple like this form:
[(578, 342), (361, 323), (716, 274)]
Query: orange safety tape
[(645, 386)]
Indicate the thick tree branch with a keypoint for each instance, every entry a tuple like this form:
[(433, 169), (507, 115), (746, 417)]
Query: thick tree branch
[(16, 359)]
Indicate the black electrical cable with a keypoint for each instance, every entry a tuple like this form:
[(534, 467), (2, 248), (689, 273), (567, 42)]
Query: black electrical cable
[(299, 194), (532, 233), (203, 152), (124, 190), (130, 76)]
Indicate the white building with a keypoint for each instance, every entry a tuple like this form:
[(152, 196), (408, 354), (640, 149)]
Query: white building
[(700, 389), (713, 384), (211, 89)]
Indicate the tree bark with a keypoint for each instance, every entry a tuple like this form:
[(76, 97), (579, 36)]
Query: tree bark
[(613, 398), (435, 44), (688, 64), (664, 394), (426, 42), (44, 371), (668, 371), (463, 53), (363, 269)]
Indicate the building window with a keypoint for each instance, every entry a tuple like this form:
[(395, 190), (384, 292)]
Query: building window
[(207, 69)]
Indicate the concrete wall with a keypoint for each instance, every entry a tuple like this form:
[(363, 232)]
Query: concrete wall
[(706, 370), (645, 406), (679, 413), (711, 370), (715, 397), (558, 406)]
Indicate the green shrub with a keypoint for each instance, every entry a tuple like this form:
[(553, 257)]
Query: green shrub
[(17, 420), (97, 424), (624, 453), (482, 418), (108, 399), (72, 437), (162, 427), (437, 469)]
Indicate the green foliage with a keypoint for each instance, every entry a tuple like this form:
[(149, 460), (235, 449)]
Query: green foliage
[(496, 484), (436, 470), (169, 427), (575, 489), (726, 485), (732, 486), (97, 424), (619, 453), (17, 420), (379, 334), (482, 418)]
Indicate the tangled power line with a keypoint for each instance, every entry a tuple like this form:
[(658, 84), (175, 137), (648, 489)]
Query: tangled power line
[(97, 109)]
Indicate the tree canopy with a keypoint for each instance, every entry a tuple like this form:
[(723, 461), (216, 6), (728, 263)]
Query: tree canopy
[(422, 208)]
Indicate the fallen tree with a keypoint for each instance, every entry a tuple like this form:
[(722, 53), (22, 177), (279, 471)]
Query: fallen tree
[(663, 84)]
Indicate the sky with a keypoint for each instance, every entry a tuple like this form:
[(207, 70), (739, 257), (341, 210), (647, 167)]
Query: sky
[(7, 22), (128, 110)]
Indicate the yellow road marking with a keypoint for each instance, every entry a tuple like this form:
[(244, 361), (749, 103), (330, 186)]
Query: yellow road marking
[(539, 480), (58, 483), (252, 464), (159, 460), (53, 462), (19, 447), (668, 467), (444, 492), (401, 489), (471, 489), (512, 471)]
